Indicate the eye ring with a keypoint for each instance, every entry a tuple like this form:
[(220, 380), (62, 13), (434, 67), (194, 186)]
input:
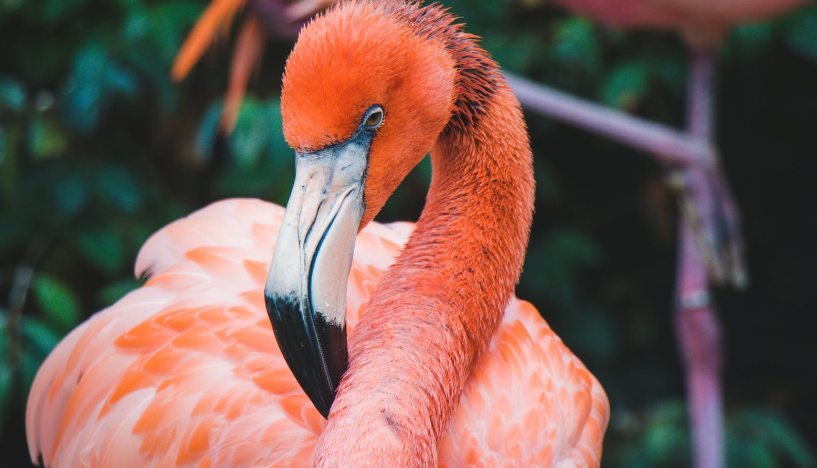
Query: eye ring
[(374, 118)]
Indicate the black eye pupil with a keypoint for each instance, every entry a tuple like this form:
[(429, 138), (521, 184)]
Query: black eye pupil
[(373, 119)]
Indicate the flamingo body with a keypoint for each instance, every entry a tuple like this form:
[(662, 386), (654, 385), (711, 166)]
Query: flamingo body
[(185, 371), (701, 21), (444, 367)]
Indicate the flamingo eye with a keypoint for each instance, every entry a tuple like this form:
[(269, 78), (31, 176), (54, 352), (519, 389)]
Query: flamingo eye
[(374, 118)]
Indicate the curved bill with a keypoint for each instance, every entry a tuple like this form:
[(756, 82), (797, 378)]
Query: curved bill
[(306, 287)]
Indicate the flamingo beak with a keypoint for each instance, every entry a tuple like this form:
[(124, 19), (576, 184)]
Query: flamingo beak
[(306, 288)]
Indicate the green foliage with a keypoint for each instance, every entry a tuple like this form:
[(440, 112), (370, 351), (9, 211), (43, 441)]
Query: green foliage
[(99, 148), (77, 160), (658, 436), (18, 367), (626, 84), (801, 33), (59, 303), (761, 438), (574, 42), (6, 385), (559, 258)]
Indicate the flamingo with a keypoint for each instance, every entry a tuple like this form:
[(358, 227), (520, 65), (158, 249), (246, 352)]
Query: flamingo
[(702, 22), (445, 366)]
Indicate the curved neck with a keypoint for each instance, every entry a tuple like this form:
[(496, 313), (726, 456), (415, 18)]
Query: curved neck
[(436, 309)]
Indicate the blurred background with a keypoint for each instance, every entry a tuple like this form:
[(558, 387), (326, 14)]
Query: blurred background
[(99, 148)]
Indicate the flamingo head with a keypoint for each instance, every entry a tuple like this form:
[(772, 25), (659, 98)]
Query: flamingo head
[(366, 94)]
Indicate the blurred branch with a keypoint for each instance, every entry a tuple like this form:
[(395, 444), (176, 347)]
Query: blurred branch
[(670, 146), (20, 286)]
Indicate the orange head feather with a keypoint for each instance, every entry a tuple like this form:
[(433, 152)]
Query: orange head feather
[(396, 55)]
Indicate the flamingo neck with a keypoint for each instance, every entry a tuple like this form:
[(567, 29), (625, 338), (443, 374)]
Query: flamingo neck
[(437, 308)]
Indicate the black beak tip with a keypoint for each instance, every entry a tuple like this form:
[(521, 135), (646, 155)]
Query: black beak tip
[(315, 350)]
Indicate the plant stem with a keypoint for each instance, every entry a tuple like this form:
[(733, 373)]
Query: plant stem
[(20, 285)]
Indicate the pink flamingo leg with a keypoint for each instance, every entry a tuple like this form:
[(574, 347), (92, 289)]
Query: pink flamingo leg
[(699, 336), (710, 246)]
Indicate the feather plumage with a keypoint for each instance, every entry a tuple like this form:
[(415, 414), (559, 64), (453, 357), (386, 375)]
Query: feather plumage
[(185, 370)]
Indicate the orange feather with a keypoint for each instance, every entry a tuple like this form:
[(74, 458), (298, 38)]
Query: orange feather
[(149, 397)]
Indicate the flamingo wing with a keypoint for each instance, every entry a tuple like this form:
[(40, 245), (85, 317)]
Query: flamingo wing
[(529, 402), (185, 371)]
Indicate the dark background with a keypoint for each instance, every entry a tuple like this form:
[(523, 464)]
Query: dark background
[(98, 149)]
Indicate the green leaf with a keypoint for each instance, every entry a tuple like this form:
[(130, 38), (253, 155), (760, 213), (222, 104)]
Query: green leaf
[(13, 95), (278, 147), (9, 163), (251, 134), (559, 258), (547, 186), (3, 333), (243, 182), (70, 192), (208, 131), (38, 336), (666, 436), (136, 25), (3, 143), (103, 247), (46, 138), (29, 365), (55, 10), (788, 442), (513, 51), (258, 134), (85, 99), (57, 300), (38, 341), (626, 85), (154, 74), (754, 38), (592, 334), (670, 70), (119, 188), (6, 388), (96, 79), (120, 80), (575, 42), (802, 33), (11, 5), (760, 455), (167, 24)]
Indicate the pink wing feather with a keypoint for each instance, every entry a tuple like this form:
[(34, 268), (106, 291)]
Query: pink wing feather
[(185, 371)]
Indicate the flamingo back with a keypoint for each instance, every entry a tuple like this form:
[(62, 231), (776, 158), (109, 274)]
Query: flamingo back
[(185, 371)]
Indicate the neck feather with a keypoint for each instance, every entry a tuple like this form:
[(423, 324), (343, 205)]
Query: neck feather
[(437, 308)]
